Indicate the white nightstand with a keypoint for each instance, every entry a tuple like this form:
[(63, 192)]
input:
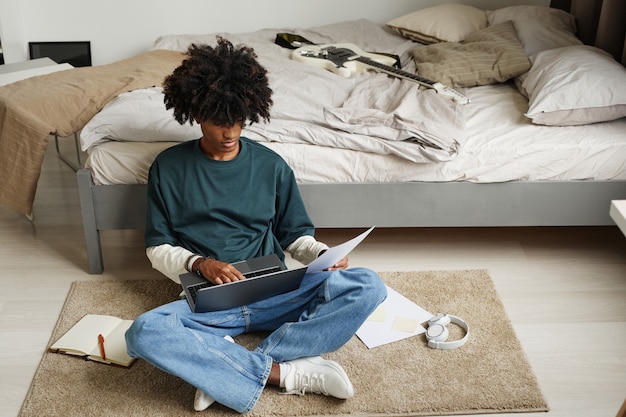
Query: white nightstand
[(618, 214)]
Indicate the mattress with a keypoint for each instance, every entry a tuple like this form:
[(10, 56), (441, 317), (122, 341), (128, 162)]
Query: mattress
[(371, 127), (501, 145)]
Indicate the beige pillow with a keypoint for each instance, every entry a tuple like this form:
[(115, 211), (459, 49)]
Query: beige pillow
[(450, 22), (575, 85), (538, 27), (489, 56)]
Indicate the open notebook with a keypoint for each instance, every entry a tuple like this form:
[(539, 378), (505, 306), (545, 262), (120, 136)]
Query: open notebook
[(98, 338)]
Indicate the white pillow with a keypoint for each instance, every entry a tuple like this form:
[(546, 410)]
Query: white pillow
[(538, 27), (137, 116), (450, 22), (575, 85)]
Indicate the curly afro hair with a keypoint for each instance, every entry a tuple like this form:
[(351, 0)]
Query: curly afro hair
[(222, 84)]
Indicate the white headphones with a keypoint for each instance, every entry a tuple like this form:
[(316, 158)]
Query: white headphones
[(437, 332)]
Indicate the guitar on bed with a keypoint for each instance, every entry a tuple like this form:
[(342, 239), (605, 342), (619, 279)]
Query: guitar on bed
[(346, 58)]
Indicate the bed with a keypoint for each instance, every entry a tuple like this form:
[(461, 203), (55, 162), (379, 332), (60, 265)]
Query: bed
[(360, 154)]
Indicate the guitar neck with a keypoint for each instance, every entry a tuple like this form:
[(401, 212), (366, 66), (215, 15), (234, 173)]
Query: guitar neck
[(334, 58), (395, 71)]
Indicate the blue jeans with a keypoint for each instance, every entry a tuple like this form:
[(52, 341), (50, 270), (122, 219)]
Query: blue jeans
[(319, 317)]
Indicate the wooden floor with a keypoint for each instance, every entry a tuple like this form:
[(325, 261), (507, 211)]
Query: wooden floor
[(564, 289)]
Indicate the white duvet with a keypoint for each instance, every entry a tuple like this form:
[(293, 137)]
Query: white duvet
[(369, 112), (502, 145), (488, 140)]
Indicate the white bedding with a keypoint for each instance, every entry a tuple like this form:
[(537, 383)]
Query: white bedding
[(502, 145), (369, 112), (488, 140)]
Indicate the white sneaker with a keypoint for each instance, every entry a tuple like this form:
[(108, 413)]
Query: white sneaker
[(202, 400), (318, 375)]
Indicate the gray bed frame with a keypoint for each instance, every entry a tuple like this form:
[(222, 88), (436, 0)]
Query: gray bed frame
[(413, 204)]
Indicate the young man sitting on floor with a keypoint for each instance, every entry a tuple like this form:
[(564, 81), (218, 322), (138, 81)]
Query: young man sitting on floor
[(224, 198)]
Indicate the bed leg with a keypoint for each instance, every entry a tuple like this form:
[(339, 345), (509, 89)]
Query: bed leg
[(90, 228)]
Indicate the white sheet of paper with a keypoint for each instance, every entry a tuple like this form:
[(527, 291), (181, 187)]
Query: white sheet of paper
[(336, 253), (401, 318)]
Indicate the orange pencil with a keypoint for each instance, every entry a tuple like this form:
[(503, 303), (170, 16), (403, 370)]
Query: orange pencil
[(101, 344)]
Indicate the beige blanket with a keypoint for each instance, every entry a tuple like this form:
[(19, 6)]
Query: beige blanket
[(61, 104)]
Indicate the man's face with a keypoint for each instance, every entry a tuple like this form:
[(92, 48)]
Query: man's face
[(220, 142)]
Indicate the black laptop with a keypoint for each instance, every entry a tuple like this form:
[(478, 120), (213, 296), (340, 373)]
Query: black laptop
[(265, 277)]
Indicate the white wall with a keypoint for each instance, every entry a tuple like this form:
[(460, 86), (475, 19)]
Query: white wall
[(11, 33), (119, 29)]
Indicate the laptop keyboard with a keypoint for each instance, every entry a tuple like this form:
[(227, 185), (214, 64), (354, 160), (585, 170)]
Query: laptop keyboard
[(262, 272), (193, 289)]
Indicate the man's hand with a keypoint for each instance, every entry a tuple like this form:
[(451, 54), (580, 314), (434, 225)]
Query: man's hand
[(342, 264), (219, 272)]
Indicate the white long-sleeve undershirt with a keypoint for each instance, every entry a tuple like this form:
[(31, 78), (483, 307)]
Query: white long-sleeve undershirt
[(170, 260)]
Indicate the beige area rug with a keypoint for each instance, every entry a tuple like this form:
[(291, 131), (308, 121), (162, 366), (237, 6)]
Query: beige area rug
[(489, 374)]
